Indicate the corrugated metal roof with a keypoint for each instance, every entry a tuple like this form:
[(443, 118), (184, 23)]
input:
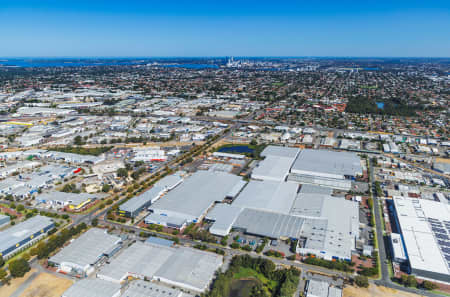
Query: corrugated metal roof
[(92, 287), (17, 233), (87, 249), (196, 194)]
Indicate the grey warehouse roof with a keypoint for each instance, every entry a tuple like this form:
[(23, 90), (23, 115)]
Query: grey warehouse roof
[(280, 151), (268, 195), (137, 202), (93, 288), (327, 163), (196, 194), (269, 224), (180, 266), (22, 231), (87, 249)]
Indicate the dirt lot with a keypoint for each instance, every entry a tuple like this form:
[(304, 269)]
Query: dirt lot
[(47, 285), (375, 291), (6, 291)]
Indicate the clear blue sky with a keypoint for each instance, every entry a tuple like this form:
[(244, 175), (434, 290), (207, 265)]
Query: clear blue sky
[(223, 28)]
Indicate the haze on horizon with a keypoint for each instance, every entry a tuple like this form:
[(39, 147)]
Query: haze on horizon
[(50, 28)]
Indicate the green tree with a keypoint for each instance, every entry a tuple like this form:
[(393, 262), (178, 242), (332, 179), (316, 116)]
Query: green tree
[(122, 172), (2, 274), (362, 281), (2, 261), (429, 285), (94, 222), (19, 267), (106, 188), (78, 140)]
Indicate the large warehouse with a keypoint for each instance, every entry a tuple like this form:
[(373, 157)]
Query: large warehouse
[(187, 268), (23, 235), (277, 163), (93, 287), (326, 168), (268, 195), (190, 201), (79, 257), (326, 226), (135, 205), (425, 230)]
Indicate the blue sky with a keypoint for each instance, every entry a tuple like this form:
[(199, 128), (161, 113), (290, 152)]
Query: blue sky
[(223, 28)]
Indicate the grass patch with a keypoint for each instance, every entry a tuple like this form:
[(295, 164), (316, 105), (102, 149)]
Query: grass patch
[(245, 272)]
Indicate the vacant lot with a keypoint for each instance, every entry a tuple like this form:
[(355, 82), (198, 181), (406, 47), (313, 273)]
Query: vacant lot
[(375, 291), (47, 285), (6, 291)]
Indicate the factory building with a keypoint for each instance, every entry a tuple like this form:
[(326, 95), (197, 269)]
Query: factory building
[(276, 164), (93, 287), (326, 168), (326, 226), (190, 201), (23, 235), (83, 253), (186, 268), (135, 205), (425, 234)]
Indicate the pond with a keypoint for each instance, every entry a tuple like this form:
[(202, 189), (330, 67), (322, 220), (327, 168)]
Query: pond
[(242, 287), (242, 149), (380, 105)]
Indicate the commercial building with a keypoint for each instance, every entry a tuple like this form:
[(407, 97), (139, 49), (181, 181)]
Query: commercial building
[(93, 287), (277, 163), (190, 200), (23, 235), (186, 268), (326, 168), (79, 257), (425, 230)]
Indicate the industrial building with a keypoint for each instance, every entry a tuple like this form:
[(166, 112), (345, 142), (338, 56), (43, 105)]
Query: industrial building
[(425, 233), (268, 195), (276, 164), (140, 288), (79, 257), (186, 268), (23, 235), (135, 205), (62, 199), (326, 168), (326, 226), (93, 287), (190, 201)]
